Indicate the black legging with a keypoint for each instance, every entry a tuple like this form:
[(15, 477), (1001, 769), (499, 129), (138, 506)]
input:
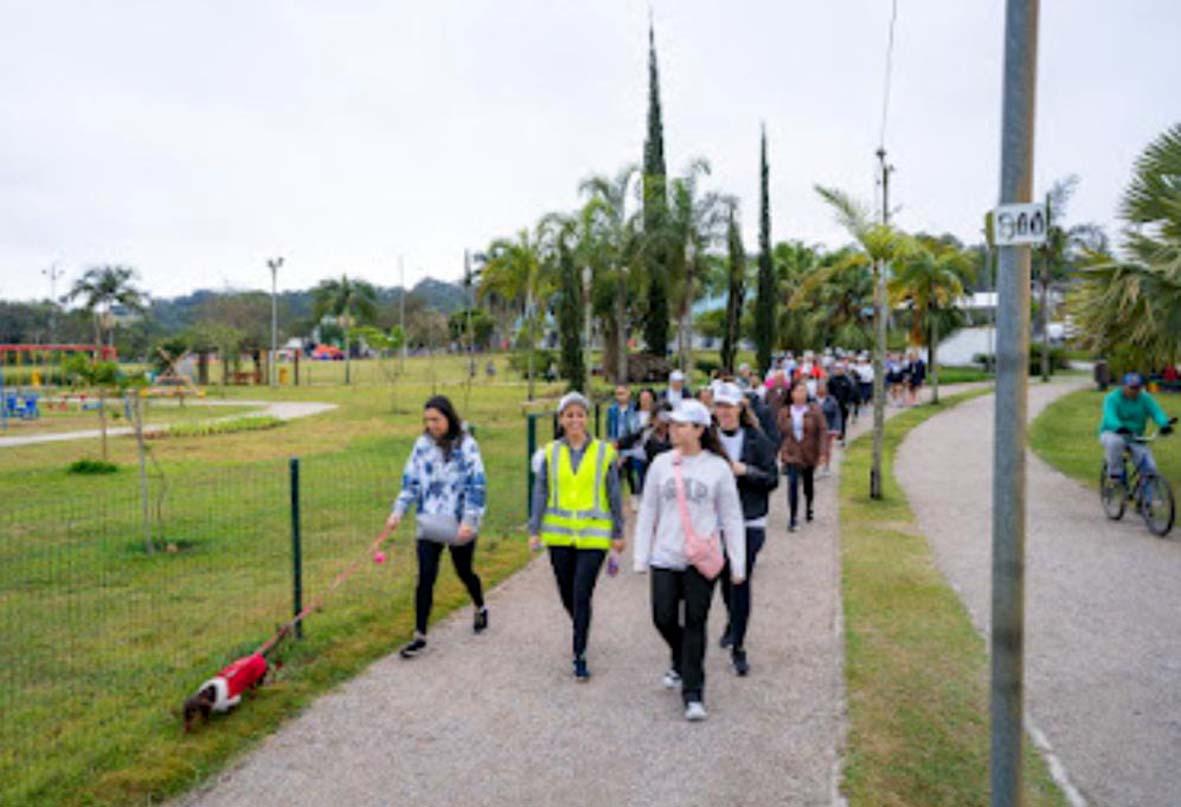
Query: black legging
[(737, 598), (794, 473), (429, 553), (576, 572)]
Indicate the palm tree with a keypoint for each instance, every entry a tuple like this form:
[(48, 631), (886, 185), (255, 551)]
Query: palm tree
[(610, 245), (514, 272), (881, 244), (931, 279), (695, 223), (351, 302), (101, 288), (1133, 306), (830, 303), (794, 262)]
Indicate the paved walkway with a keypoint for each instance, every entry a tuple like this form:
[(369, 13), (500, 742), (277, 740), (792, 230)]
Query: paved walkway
[(1103, 604), (284, 410)]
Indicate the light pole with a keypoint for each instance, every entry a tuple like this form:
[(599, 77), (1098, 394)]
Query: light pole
[(402, 313), (274, 264), (586, 325), (53, 273)]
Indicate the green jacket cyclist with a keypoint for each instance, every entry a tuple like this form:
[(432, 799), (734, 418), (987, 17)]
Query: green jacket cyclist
[(1126, 412)]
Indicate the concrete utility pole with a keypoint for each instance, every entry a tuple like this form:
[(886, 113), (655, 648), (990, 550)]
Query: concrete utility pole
[(879, 352), (1008, 482), (274, 264), (586, 324)]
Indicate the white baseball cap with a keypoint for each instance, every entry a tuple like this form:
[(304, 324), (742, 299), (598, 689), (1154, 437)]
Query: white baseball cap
[(728, 394), (676, 375), (691, 412), (573, 398)]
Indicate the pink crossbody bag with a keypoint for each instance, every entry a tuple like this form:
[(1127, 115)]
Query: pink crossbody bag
[(705, 553)]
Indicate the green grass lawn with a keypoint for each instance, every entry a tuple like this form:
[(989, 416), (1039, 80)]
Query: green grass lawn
[(916, 669), (102, 642), (1066, 435)]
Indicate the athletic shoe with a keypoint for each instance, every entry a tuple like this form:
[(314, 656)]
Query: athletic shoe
[(671, 680), (809, 517), (792, 527), (480, 623), (741, 665), (581, 672), (727, 639), (695, 711), (413, 648)]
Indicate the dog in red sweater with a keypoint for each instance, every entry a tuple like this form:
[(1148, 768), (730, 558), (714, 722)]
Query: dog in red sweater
[(223, 692)]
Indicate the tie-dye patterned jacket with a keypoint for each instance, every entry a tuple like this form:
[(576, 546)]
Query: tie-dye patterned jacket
[(453, 487)]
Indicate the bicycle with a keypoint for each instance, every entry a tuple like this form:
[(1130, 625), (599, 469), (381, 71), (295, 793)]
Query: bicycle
[(1150, 492)]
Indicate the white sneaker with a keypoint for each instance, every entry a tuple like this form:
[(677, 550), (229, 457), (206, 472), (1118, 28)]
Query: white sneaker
[(671, 680), (695, 712)]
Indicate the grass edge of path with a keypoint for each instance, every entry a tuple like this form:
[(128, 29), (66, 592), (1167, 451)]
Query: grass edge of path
[(916, 669)]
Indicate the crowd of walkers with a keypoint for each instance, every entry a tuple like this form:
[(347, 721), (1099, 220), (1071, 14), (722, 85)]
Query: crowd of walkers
[(700, 467)]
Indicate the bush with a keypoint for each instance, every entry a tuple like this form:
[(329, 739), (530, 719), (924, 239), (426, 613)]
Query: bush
[(1059, 359), (519, 362), (707, 366), (92, 467), (208, 428)]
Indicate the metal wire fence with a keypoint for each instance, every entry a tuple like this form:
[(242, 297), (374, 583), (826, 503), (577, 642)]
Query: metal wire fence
[(100, 638)]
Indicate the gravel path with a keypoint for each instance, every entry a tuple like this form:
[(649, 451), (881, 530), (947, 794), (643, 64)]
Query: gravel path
[(284, 410), (496, 719), (1103, 649)]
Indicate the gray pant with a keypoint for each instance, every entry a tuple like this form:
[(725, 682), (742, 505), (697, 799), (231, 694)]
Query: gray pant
[(1114, 444)]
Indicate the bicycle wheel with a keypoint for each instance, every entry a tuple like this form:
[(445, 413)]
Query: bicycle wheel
[(1113, 494), (1157, 506)]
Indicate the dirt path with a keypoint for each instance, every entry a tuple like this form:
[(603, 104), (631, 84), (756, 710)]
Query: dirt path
[(1103, 649)]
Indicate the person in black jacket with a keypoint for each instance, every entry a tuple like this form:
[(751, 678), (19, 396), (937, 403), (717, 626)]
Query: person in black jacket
[(842, 388), (752, 458)]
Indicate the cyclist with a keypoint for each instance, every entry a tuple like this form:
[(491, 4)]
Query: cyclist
[(1126, 411)]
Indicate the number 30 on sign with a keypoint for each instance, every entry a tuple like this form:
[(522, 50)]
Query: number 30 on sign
[(1011, 225)]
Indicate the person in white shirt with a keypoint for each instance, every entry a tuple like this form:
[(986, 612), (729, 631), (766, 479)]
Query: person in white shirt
[(711, 501), (676, 391)]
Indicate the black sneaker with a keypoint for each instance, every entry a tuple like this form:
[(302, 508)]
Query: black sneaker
[(581, 672), (809, 517), (741, 666), (727, 639), (413, 648), (792, 527), (480, 624)]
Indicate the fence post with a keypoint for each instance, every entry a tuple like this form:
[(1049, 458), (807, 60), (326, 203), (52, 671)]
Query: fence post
[(530, 450), (296, 551), (598, 419)]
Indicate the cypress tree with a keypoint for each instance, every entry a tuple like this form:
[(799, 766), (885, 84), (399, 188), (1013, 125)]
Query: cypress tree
[(765, 302), (737, 294), (655, 213), (570, 319)]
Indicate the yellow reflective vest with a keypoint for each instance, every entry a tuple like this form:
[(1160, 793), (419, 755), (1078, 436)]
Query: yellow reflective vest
[(577, 512)]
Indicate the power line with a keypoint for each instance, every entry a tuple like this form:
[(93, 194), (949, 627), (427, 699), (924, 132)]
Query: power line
[(889, 70)]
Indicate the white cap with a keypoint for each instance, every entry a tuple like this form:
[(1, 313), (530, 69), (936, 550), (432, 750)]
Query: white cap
[(573, 398), (728, 394), (676, 375), (744, 367), (691, 412)]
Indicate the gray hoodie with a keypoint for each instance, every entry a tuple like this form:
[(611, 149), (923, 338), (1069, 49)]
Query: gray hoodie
[(713, 503)]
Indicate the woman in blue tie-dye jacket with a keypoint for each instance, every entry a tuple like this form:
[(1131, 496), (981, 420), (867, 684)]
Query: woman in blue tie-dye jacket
[(444, 480)]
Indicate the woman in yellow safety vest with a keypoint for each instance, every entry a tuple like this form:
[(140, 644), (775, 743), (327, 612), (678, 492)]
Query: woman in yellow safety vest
[(577, 512)]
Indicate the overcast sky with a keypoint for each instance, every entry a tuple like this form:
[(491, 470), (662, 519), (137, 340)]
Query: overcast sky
[(194, 140)]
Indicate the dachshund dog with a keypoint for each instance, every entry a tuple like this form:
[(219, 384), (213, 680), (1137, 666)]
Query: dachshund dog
[(224, 691)]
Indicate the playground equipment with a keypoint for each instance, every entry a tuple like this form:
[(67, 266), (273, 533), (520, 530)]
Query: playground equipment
[(172, 382)]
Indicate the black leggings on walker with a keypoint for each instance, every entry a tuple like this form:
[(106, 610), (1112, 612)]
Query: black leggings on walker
[(429, 553), (576, 572)]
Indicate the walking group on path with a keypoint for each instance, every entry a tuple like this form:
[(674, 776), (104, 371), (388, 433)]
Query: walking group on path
[(701, 470)]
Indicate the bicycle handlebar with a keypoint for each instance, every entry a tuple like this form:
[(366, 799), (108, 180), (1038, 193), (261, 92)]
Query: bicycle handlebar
[(1151, 438)]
